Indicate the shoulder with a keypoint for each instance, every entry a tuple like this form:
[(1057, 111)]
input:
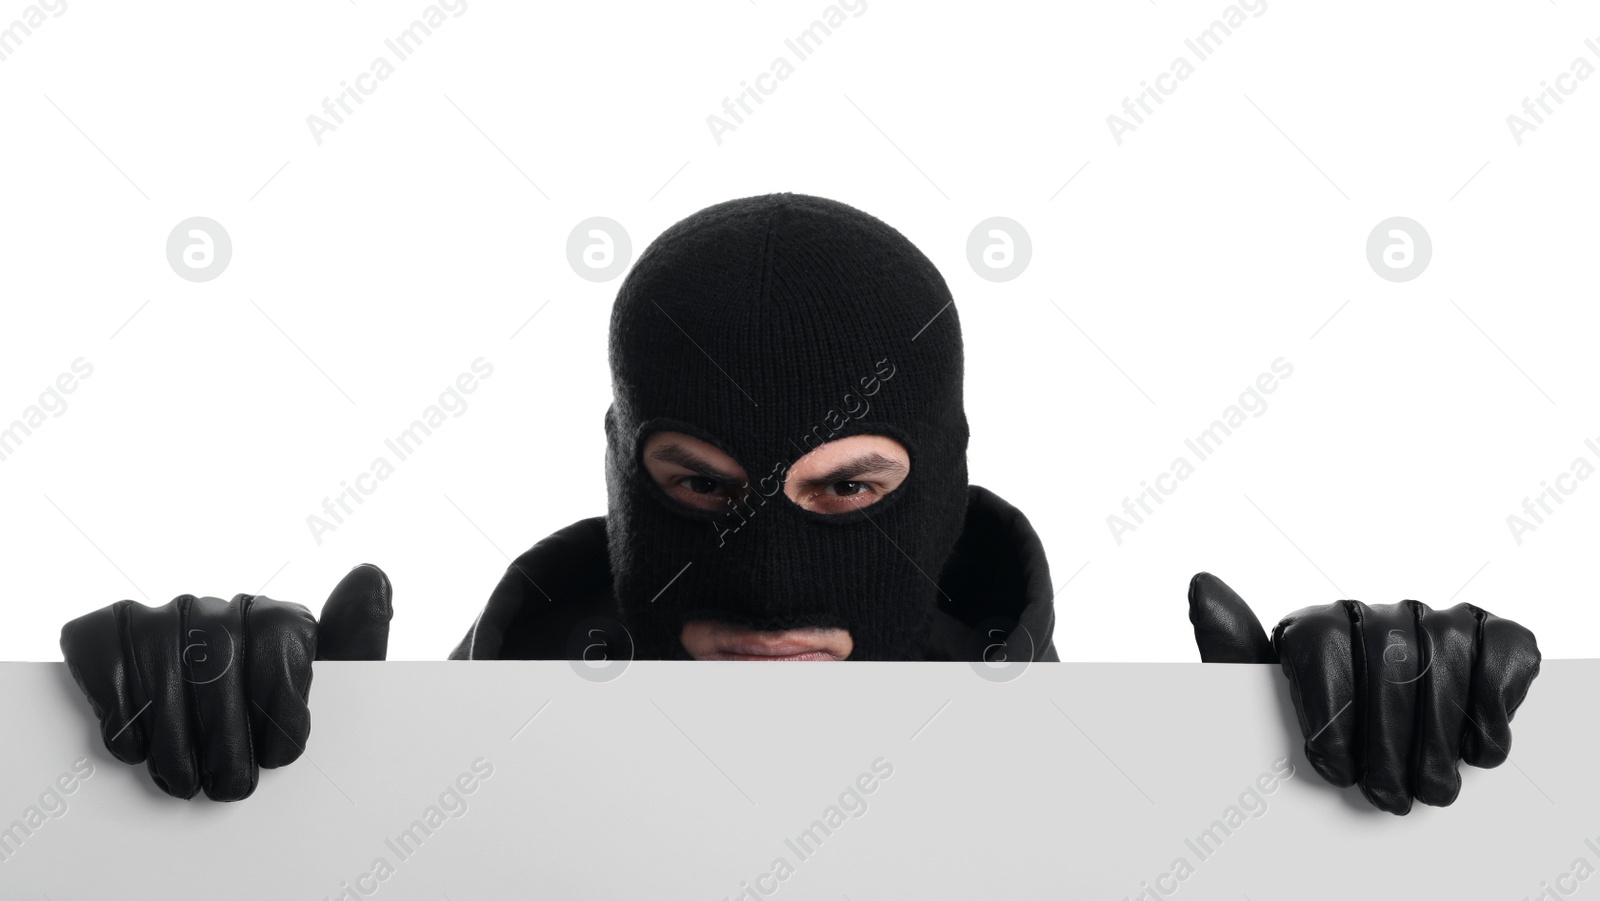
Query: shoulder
[(544, 594)]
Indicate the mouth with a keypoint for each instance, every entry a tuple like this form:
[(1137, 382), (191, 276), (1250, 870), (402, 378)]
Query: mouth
[(804, 655), (714, 640)]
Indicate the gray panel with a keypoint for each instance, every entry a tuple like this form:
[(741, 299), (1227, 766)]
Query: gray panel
[(692, 780)]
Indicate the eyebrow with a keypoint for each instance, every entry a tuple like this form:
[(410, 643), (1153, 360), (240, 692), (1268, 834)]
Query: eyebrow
[(673, 453), (869, 463)]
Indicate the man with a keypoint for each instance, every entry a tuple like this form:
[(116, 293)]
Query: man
[(786, 474)]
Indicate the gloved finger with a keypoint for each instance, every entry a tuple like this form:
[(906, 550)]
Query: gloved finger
[(155, 635), (1508, 662), (98, 655), (211, 639), (281, 644), (355, 619), (1224, 627), (1394, 664), (1317, 650), (1450, 640)]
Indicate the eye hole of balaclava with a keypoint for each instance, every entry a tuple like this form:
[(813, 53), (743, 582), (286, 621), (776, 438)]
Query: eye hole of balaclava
[(837, 478)]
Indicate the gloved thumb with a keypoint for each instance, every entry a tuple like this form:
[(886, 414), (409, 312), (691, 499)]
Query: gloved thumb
[(355, 619), (1224, 627)]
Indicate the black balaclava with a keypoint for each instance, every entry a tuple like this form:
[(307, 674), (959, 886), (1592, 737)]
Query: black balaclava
[(766, 326)]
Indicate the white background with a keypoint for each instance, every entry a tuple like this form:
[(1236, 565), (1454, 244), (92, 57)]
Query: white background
[(1167, 273)]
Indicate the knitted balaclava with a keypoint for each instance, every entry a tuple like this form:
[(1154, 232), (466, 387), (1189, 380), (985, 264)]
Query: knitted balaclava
[(767, 326)]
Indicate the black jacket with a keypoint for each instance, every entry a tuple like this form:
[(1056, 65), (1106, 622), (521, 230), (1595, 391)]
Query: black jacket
[(996, 579)]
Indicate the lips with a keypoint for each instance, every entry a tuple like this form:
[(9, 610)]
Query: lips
[(751, 645), (808, 655), (713, 639)]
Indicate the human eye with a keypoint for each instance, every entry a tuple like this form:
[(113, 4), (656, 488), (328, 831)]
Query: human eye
[(848, 489), (841, 496), (701, 484), (704, 492)]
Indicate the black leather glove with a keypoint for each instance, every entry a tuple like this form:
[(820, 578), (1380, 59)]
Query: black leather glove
[(1390, 696), (209, 691)]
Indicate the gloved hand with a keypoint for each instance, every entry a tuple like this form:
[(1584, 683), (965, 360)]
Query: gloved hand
[(209, 690), (1390, 696)]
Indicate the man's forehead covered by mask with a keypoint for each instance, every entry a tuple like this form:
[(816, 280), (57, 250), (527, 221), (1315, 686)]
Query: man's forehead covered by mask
[(767, 326)]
